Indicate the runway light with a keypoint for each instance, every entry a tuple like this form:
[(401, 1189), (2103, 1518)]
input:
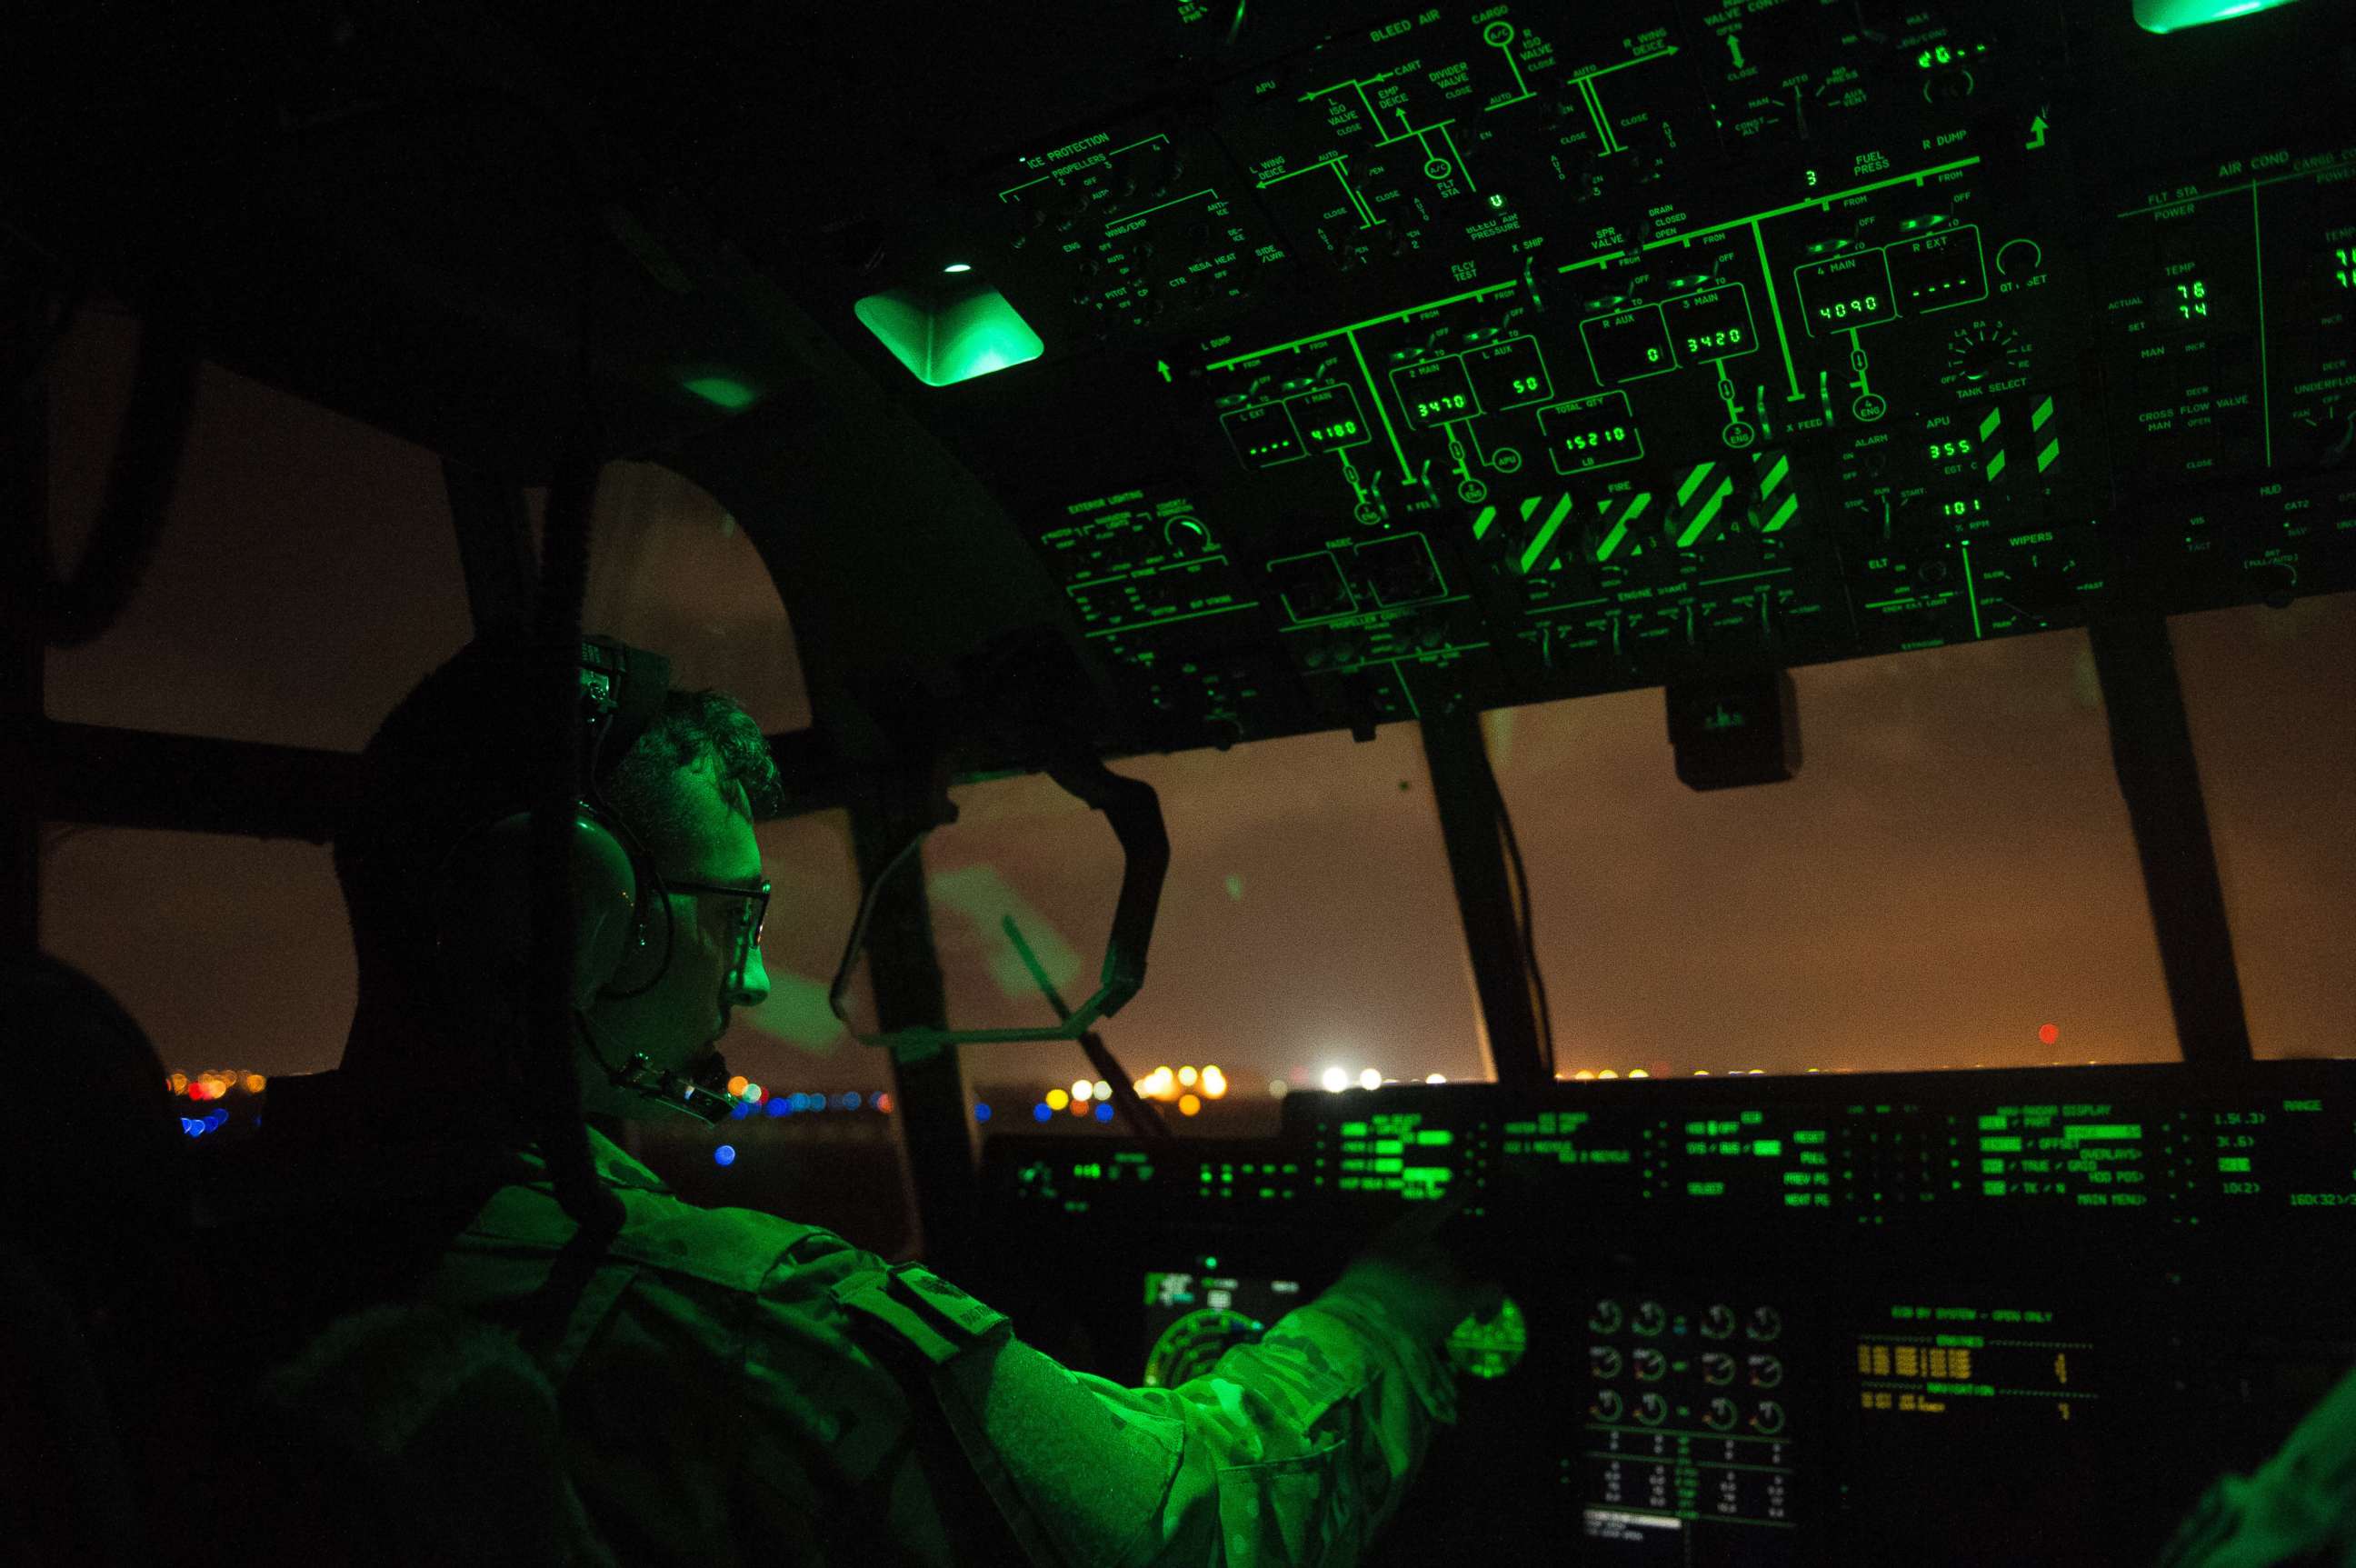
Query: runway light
[(1215, 1082), (2048, 1033), (778, 1106), (1079, 1108), (1335, 1080), (1278, 1089), (980, 1108), (1102, 1089), (178, 1083), (736, 1085), (1104, 1111), (1057, 1100), (1186, 1076), (1040, 1113), (1080, 1089), (851, 1101), (755, 1093), (1189, 1106), (957, 267), (1638, 1072), (725, 1154), (1609, 1072), (1584, 1075), (1435, 1078), (1371, 1079), (883, 1103)]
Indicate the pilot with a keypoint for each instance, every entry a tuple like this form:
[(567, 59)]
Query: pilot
[(733, 1385)]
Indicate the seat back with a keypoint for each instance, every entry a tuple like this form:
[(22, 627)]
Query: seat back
[(90, 1197), (409, 1435)]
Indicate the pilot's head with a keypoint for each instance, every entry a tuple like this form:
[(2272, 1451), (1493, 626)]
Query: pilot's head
[(457, 748)]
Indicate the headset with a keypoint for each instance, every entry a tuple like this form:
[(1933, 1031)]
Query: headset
[(484, 892)]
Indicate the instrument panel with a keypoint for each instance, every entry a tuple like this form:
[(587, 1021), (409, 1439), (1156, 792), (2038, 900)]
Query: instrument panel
[(1963, 1317), (1486, 354)]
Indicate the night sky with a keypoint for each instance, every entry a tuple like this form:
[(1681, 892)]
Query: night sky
[(1952, 870)]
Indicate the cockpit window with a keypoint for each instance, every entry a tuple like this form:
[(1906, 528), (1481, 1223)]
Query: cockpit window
[(1308, 926), (1950, 881), (2269, 694), (670, 570)]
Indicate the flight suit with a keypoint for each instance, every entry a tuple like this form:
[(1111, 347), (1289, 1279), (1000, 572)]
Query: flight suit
[(2298, 1508), (735, 1387)]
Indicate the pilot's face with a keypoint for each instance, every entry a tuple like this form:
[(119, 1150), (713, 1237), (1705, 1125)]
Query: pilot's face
[(714, 964)]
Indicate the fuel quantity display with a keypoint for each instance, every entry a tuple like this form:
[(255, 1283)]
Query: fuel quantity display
[(1590, 432), (1845, 291)]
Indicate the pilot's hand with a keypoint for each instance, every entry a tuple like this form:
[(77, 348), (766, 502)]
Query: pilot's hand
[(1411, 1265)]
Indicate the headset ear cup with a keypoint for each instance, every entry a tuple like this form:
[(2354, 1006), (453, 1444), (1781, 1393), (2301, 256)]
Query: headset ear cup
[(640, 949), (482, 907)]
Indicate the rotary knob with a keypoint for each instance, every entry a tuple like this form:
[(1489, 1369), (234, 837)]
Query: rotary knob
[(1981, 348), (1602, 1361), (1652, 1409), (1651, 1317), (1186, 535), (1766, 1323), (1651, 1365), (1606, 1318), (1608, 1405), (1721, 1416), (1766, 1371), (1717, 1367), (1718, 1323), (1768, 1418)]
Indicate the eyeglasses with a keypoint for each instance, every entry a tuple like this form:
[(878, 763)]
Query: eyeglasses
[(757, 911)]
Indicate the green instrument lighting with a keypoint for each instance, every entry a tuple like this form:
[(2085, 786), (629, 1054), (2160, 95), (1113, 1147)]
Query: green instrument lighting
[(722, 391), (2168, 15), (951, 333)]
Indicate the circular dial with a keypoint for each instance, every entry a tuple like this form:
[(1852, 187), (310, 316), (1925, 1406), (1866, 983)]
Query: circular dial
[(1718, 1323), (1490, 1349), (1986, 350), (1717, 1367), (1192, 1345), (1186, 535), (1721, 1416), (1765, 1323), (1651, 1317), (1608, 1405), (1602, 1361), (1606, 1318)]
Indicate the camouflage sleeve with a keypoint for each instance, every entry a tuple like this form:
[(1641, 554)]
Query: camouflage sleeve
[(1294, 1450), (2298, 1508)]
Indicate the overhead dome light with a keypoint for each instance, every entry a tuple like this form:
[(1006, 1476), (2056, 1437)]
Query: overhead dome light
[(2171, 15), (949, 332)]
